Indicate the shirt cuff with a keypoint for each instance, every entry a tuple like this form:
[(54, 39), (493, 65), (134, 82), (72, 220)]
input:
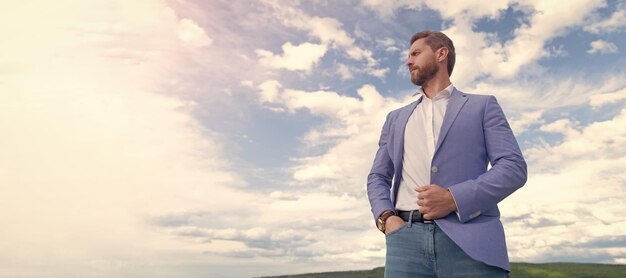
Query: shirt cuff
[(457, 207)]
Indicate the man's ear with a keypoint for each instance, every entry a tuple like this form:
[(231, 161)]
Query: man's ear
[(442, 53)]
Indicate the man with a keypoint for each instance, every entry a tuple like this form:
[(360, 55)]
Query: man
[(430, 189)]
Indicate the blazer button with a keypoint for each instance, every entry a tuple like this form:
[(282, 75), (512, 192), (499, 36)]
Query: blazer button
[(434, 169)]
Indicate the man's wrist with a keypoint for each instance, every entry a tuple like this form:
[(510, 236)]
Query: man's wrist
[(453, 205), (382, 219)]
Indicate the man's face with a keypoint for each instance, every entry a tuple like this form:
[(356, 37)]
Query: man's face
[(421, 62)]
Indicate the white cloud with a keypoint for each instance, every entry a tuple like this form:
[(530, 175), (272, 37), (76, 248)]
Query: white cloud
[(605, 98), (384, 9), (329, 31), (598, 138), (546, 22), (615, 22), (91, 147), (563, 126), (344, 71), (314, 172), (473, 56), (524, 96), (448, 9), (247, 83), (380, 73), (574, 196), (388, 44), (282, 195), (352, 132), (300, 57), (192, 34), (602, 47), (468, 8), (526, 120), (269, 90), (358, 53)]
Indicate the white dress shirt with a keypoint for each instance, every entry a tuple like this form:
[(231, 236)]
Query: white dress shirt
[(420, 138)]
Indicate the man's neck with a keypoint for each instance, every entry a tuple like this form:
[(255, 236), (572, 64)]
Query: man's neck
[(435, 85)]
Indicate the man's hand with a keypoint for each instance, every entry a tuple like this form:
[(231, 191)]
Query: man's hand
[(435, 201), (393, 223)]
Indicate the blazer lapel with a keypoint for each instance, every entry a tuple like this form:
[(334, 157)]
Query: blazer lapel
[(401, 121), (457, 100)]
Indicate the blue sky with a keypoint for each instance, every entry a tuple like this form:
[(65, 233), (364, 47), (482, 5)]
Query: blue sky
[(233, 138)]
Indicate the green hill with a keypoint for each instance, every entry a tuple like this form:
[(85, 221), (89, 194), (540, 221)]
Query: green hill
[(518, 270)]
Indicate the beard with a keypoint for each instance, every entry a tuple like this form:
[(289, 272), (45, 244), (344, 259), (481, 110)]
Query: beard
[(425, 73)]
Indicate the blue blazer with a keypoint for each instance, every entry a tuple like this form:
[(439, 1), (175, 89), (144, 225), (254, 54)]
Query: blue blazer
[(474, 132)]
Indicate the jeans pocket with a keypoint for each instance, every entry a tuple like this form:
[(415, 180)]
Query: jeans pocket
[(396, 231)]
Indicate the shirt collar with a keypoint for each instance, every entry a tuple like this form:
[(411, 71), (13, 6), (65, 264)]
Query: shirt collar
[(445, 93)]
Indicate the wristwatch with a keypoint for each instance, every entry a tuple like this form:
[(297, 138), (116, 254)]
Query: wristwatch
[(383, 218)]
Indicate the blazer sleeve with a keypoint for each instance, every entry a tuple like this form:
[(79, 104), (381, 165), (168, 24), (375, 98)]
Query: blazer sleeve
[(380, 176), (508, 169)]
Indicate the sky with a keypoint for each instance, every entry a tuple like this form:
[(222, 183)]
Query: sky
[(195, 138)]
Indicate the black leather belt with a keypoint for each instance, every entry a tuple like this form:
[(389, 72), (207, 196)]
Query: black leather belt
[(417, 217)]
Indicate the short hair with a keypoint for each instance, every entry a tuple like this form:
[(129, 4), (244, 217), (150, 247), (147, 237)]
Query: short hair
[(438, 40)]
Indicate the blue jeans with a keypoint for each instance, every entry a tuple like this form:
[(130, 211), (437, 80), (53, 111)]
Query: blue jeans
[(424, 250)]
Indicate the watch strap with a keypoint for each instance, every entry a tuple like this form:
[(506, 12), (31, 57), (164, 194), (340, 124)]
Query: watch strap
[(380, 223), (386, 214)]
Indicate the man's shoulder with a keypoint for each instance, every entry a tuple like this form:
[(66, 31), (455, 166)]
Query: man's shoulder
[(477, 100), (474, 95)]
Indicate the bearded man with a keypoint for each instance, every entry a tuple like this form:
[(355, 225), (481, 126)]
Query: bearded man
[(430, 188)]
